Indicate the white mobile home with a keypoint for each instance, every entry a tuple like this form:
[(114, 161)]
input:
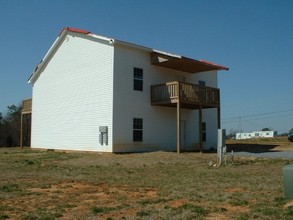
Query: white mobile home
[(255, 134), (94, 93)]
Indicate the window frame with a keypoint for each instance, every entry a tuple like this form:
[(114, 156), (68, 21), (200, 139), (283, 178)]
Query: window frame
[(137, 126), (201, 83), (137, 79)]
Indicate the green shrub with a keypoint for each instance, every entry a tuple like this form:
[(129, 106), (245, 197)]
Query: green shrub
[(99, 210), (194, 209), (142, 213), (4, 216), (11, 187)]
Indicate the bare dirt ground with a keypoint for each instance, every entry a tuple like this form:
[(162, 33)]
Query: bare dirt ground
[(78, 197), (104, 196)]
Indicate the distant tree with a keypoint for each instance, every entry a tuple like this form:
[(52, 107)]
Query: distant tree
[(283, 135), (266, 129), (291, 131), (10, 126), (13, 112), (231, 136), (232, 133)]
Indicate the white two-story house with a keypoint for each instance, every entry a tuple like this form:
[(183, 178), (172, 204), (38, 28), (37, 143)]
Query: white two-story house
[(94, 93)]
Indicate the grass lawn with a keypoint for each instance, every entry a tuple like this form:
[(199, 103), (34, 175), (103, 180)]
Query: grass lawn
[(160, 185)]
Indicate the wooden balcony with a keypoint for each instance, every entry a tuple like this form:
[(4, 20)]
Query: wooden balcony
[(26, 106), (190, 96)]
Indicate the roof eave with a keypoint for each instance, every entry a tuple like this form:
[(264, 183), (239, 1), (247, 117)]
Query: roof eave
[(56, 43), (38, 68), (219, 67), (132, 45)]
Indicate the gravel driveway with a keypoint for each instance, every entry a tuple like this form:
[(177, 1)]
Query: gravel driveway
[(273, 154)]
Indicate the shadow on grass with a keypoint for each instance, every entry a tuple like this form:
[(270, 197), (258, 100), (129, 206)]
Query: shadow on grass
[(252, 148)]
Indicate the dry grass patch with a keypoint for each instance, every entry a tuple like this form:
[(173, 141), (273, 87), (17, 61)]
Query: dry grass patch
[(160, 185)]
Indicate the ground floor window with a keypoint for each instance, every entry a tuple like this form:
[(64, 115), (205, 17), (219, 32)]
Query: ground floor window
[(137, 129), (204, 131)]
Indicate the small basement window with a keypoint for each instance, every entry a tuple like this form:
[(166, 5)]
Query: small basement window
[(137, 129), (137, 79)]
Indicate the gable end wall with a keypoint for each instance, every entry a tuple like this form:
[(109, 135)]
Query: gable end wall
[(73, 96)]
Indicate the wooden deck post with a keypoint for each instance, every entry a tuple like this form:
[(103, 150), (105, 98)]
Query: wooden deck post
[(178, 127), (178, 118), (219, 117), (219, 111), (200, 128), (21, 132)]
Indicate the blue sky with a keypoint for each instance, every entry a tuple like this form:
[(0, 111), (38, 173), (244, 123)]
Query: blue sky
[(254, 38)]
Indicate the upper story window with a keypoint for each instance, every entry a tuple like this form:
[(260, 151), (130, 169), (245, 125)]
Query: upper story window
[(137, 79), (201, 82)]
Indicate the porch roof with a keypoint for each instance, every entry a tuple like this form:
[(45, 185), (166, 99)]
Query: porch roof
[(182, 63)]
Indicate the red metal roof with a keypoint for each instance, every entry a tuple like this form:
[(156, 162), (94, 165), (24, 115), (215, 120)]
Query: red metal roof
[(76, 30)]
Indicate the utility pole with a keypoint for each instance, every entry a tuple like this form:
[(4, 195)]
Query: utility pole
[(240, 130)]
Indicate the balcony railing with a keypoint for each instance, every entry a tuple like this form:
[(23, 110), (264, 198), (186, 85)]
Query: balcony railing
[(27, 106), (190, 95)]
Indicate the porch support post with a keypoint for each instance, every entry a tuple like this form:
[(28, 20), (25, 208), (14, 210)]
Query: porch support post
[(178, 118), (178, 127), (219, 117), (21, 125), (200, 128), (219, 110)]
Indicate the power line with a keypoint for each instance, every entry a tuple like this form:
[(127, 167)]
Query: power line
[(275, 116), (253, 115), (236, 120)]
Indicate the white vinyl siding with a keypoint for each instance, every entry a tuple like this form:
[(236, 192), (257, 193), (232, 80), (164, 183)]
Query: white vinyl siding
[(208, 115), (210, 78), (159, 128), (73, 96)]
